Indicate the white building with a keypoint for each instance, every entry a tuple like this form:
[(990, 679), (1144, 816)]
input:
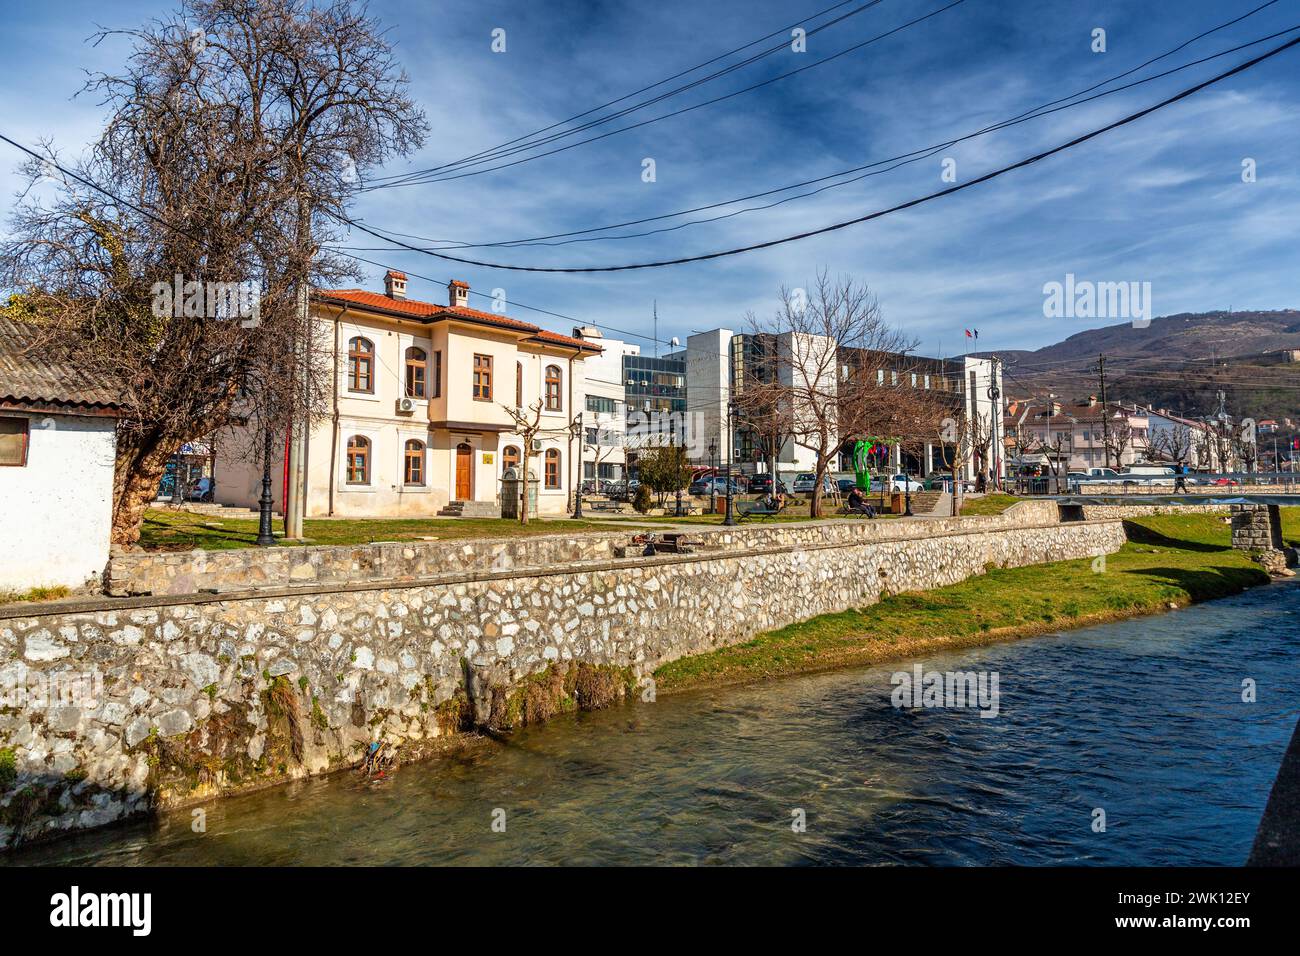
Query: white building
[(720, 362), (604, 412), (57, 447), (708, 387), (422, 402)]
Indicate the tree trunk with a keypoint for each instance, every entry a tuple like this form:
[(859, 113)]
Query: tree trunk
[(140, 468), (815, 508)]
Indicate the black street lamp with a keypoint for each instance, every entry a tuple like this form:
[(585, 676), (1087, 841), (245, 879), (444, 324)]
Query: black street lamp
[(577, 494), (713, 477), (730, 518), (264, 534)]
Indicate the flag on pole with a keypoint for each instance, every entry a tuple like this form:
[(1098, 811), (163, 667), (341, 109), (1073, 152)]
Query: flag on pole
[(972, 333)]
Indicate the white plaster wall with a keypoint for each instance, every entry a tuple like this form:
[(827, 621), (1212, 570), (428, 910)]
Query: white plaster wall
[(56, 511)]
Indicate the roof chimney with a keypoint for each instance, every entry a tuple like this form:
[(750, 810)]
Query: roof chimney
[(395, 284), (458, 294)]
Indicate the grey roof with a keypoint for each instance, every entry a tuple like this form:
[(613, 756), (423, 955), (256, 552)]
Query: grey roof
[(26, 379)]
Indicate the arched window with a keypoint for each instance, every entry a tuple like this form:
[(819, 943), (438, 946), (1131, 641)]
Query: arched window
[(519, 385), (510, 457), (413, 463), (358, 461), (417, 365), (361, 365), (552, 468)]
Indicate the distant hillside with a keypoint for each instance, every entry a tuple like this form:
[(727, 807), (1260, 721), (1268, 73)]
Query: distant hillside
[(1179, 361)]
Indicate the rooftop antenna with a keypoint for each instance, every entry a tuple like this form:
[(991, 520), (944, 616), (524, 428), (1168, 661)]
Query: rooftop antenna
[(656, 310)]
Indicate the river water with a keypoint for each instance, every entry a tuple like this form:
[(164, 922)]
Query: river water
[(1143, 720)]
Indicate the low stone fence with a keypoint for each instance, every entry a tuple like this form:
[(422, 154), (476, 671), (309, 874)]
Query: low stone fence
[(1111, 512), (191, 572), (172, 700)]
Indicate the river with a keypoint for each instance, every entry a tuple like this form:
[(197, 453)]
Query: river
[(1142, 720)]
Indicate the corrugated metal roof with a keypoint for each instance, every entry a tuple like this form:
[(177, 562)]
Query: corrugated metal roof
[(26, 379)]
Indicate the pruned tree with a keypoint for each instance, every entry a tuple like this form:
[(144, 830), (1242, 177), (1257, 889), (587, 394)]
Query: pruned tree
[(528, 426), (235, 135), (1119, 439), (840, 370)]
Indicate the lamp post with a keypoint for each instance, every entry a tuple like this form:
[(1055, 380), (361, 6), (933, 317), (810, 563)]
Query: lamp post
[(713, 476), (577, 493), (677, 471), (730, 518), (264, 534)]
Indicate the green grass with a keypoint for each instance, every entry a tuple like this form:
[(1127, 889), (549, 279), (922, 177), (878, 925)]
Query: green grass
[(35, 594), (184, 531), (990, 504), (1169, 559)]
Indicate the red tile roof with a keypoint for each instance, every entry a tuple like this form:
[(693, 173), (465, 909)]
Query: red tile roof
[(432, 312)]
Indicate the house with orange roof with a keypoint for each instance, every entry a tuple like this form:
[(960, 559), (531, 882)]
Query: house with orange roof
[(420, 422)]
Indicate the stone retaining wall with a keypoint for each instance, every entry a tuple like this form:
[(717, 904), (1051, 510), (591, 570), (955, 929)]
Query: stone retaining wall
[(1111, 512), (176, 701), (189, 572)]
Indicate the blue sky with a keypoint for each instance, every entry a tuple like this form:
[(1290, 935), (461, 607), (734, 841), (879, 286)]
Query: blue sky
[(1161, 200)]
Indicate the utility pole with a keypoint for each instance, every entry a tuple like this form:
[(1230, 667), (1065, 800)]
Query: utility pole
[(295, 506), (1105, 413)]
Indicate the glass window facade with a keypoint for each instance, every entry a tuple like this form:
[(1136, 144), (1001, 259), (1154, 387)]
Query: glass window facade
[(654, 384)]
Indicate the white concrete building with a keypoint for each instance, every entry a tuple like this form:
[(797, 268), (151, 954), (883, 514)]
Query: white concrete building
[(708, 387), (604, 409), (57, 448)]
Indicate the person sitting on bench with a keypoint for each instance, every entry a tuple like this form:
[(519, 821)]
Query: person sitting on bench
[(858, 504)]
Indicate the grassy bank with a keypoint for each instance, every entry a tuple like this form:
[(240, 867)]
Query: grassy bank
[(166, 530), (1173, 559)]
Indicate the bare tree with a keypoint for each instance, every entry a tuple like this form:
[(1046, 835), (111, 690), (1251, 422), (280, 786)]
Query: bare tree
[(1119, 438), (235, 135), (841, 371), (528, 425)]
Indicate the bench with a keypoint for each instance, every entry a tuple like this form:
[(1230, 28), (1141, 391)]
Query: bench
[(755, 509), (616, 506), (851, 513), (672, 542)]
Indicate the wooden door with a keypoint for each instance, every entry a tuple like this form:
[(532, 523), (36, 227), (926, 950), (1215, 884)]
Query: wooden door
[(464, 457)]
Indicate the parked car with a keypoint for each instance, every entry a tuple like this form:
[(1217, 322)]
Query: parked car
[(623, 490), (847, 485), (805, 483), (904, 483), (202, 490), (717, 486), (762, 485)]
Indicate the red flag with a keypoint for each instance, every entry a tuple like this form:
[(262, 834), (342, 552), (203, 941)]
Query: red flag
[(968, 333)]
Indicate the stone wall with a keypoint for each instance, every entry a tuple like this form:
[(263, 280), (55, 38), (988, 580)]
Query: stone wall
[(189, 572), (1111, 512), (146, 702)]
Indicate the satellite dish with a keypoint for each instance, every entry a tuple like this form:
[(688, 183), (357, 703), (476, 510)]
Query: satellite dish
[(674, 341)]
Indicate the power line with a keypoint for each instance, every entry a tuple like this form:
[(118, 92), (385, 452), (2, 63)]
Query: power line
[(688, 109), (1131, 118), (1032, 113), (406, 178)]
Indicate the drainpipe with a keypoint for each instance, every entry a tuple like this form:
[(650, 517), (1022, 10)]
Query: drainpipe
[(334, 425)]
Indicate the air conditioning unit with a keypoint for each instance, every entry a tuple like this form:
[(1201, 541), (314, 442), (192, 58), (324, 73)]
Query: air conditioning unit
[(405, 406)]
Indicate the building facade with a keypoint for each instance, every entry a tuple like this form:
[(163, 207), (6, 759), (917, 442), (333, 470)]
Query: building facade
[(421, 401), (58, 442), (604, 411)]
